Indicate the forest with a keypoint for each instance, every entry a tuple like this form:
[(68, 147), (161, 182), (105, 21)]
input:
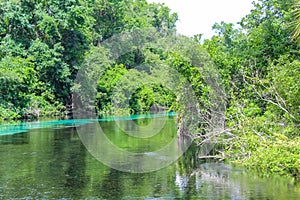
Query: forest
[(43, 45)]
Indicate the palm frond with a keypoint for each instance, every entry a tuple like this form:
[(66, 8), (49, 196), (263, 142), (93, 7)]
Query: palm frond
[(296, 23)]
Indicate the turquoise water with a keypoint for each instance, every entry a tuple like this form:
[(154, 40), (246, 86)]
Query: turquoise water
[(47, 160), (9, 129)]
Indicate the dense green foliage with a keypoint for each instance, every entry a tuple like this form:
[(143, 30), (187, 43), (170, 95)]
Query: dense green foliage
[(259, 63), (140, 81), (43, 44)]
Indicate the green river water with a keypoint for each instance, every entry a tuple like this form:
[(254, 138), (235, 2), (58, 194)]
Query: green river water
[(47, 160)]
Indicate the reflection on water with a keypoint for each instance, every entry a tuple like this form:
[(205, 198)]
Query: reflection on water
[(53, 163), (10, 129)]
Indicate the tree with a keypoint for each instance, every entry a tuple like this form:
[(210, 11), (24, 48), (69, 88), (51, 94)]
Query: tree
[(296, 21)]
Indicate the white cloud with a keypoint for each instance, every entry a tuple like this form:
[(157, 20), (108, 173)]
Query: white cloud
[(198, 16)]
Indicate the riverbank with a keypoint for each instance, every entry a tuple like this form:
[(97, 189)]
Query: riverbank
[(276, 155), (266, 146), (36, 110)]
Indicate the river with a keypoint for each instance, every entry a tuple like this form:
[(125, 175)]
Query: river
[(47, 160)]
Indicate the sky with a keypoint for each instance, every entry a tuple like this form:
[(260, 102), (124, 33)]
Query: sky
[(198, 16)]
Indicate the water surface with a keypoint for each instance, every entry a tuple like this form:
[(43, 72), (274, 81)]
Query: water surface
[(50, 162)]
